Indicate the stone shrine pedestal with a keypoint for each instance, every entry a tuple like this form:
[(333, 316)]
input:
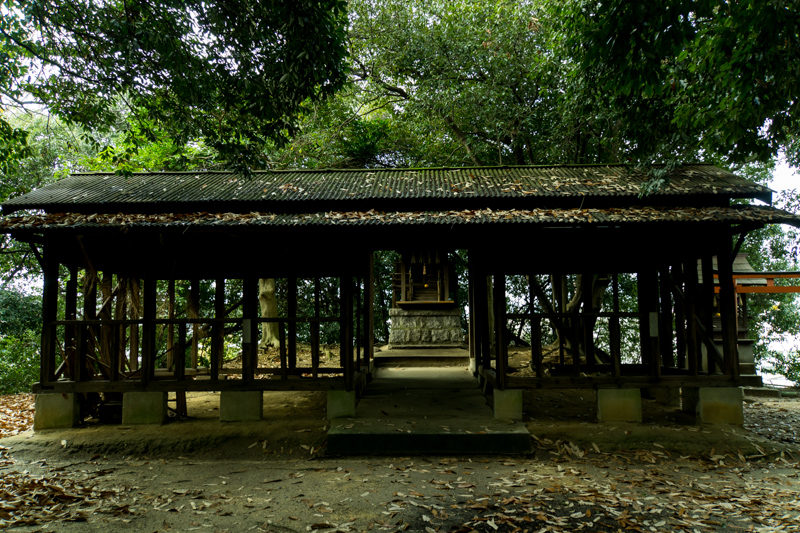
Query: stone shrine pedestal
[(428, 328)]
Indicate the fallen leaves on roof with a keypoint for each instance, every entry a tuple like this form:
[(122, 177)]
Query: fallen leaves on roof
[(733, 214)]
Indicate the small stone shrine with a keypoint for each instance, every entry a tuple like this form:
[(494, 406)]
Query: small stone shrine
[(423, 313)]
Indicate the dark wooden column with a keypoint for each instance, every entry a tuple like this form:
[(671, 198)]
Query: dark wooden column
[(614, 334), (71, 332), (346, 331), (587, 328), (680, 315), (291, 300), (249, 328), (171, 327), (369, 310), (149, 330), (691, 293), (85, 333), (474, 349), (648, 328), (218, 330), (707, 307), (665, 319), (315, 332), (727, 301), (501, 344), (47, 365)]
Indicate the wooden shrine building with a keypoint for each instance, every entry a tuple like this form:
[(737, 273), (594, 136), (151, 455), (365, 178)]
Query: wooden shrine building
[(113, 248)]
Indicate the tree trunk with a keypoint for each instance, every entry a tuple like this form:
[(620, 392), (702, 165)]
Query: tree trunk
[(269, 309)]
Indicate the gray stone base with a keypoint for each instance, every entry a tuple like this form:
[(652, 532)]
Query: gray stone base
[(341, 404), (619, 405), (508, 404), (240, 406), (56, 411), (720, 405), (144, 408), (425, 328)]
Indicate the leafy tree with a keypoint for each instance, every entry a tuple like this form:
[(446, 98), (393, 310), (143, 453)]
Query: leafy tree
[(717, 76), (231, 73)]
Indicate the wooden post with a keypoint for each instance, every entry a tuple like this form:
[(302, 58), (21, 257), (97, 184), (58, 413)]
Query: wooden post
[(218, 331), (47, 365), (369, 310), (358, 321), (194, 312), (588, 330), (473, 348), (346, 332), (501, 344), (680, 316), (71, 332), (690, 293), (292, 323), (315, 332), (85, 334), (648, 328), (707, 300), (249, 328), (133, 361), (171, 327), (727, 308), (149, 330), (180, 354), (665, 320), (615, 340)]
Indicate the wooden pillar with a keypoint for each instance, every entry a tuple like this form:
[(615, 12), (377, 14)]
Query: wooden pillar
[(692, 341), (133, 358), (47, 365), (180, 353), (727, 308), (474, 350), (369, 310), (71, 332), (680, 316), (85, 334), (665, 320), (536, 331), (346, 331), (587, 328), (194, 312), (249, 328), (218, 331), (315, 332), (149, 329), (501, 344), (707, 307), (615, 337), (358, 321), (292, 322), (648, 320), (171, 327)]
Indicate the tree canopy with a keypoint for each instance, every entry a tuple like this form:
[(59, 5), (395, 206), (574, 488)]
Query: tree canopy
[(233, 74)]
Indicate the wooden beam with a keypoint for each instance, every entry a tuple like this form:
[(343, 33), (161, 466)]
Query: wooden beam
[(501, 344), (665, 317), (615, 337), (707, 308), (249, 327), (149, 330), (692, 341), (218, 330), (291, 300), (47, 365), (369, 310), (346, 331), (675, 282), (728, 314), (71, 313)]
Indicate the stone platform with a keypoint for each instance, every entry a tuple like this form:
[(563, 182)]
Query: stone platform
[(411, 328)]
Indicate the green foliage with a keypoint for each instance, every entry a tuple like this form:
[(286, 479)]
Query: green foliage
[(721, 77), (233, 74), (19, 362)]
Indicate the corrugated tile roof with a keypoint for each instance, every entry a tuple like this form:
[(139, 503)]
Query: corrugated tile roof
[(290, 191), (560, 217)]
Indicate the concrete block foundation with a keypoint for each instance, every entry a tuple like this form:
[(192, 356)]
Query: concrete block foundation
[(56, 411), (619, 405), (144, 408), (240, 406), (341, 404), (507, 404), (720, 405)]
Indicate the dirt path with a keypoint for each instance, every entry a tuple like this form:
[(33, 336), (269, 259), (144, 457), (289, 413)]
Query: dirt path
[(201, 475)]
